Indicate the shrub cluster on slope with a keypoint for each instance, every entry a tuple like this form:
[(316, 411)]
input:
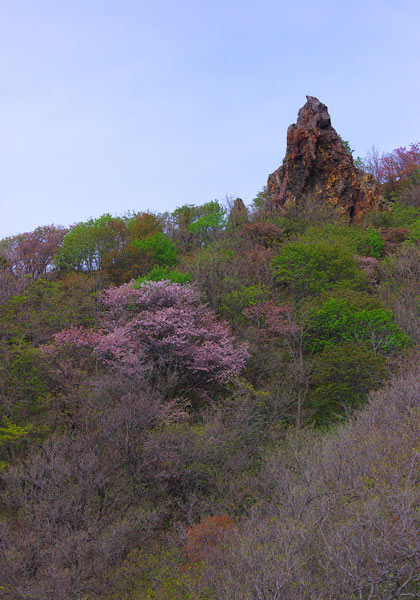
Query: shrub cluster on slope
[(171, 388), (339, 515)]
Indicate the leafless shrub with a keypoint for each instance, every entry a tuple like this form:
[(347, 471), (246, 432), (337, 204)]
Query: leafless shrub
[(340, 516), (312, 208), (264, 233), (400, 288), (411, 195), (10, 284), (76, 508), (404, 265), (372, 163)]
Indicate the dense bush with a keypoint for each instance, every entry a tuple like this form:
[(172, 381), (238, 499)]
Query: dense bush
[(355, 239), (241, 298), (397, 214), (338, 320), (312, 268), (342, 375), (157, 249)]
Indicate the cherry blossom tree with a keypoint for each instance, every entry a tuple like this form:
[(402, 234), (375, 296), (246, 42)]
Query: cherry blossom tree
[(161, 330)]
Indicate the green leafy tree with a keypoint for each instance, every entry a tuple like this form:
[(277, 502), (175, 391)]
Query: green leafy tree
[(11, 437), (212, 220), (184, 215), (373, 245), (414, 234), (342, 376), (312, 268), (404, 216), (338, 320), (261, 199), (157, 249), (85, 246)]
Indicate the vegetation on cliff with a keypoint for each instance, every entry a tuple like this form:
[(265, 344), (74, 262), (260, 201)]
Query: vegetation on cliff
[(217, 403)]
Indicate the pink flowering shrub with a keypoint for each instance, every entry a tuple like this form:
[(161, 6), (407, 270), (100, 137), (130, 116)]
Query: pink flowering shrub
[(271, 320), (162, 328), (369, 265), (85, 338)]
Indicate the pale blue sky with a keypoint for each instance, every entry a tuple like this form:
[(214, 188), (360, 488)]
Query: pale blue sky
[(110, 106)]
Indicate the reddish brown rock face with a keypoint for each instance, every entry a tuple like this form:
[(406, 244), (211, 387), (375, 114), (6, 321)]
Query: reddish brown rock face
[(317, 165)]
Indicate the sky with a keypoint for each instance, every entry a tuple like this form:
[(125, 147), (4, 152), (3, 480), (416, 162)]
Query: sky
[(112, 106)]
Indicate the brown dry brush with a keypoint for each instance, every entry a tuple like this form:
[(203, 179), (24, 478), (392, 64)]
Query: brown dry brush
[(340, 515), (111, 481), (400, 288), (78, 504)]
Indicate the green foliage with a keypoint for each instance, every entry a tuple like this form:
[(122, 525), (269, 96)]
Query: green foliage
[(158, 273), (358, 300), (12, 438), (346, 145), (125, 261), (211, 267), (414, 234), (383, 219), (261, 198), (23, 377), (184, 215), (376, 244), (373, 245), (158, 576), (397, 215), (367, 242), (122, 246), (358, 163), (47, 307), (338, 321), (86, 244), (212, 220), (242, 297), (404, 216), (312, 268), (11, 433), (160, 250), (341, 378), (143, 224)]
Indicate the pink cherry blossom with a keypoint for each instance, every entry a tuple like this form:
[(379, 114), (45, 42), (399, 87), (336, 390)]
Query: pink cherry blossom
[(162, 327)]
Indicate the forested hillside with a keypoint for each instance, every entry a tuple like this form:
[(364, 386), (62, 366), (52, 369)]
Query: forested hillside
[(221, 402)]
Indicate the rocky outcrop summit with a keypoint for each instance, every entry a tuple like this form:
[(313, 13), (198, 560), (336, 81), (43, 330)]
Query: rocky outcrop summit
[(319, 167)]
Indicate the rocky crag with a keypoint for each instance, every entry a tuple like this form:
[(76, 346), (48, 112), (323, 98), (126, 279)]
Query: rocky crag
[(319, 168)]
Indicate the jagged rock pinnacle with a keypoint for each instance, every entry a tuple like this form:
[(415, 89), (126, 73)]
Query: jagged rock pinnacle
[(318, 166)]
